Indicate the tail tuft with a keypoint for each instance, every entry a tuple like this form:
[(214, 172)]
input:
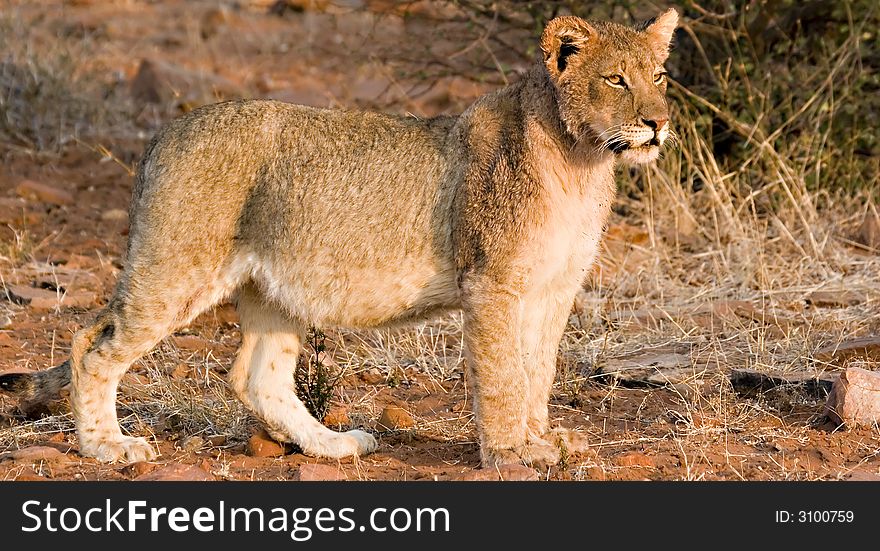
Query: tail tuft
[(15, 383), (37, 388)]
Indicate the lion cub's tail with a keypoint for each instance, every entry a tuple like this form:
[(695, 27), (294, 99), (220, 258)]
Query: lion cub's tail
[(40, 387)]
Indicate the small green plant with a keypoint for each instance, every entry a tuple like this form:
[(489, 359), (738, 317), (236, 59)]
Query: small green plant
[(315, 381)]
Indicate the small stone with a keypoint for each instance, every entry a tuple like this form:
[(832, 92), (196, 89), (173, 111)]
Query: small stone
[(836, 299), (226, 314), (633, 459), (180, 371), (192, 444), (80, 262), (395, 418), (653, 366), (158, 81), (79, 299), (594, 473), (212, 21), (29, 475), (42, 299), (512, 472), (31, 296), (749, 382), (138, 469), (176, 472), (869, 232), (34, 454), (190, 343), (6, 341), (373, 376), (14, 212), (867, 347), (32, 190), (262, 445), (5, 322), (336, 417), (863, 475), (315, 472), (855, 398), (218, 440), (115, 215)]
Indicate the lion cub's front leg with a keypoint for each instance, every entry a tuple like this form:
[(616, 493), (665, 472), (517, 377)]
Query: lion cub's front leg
[(498, 379)]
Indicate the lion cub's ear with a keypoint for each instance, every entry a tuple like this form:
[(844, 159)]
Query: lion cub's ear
[(562, 38), (659, 31)]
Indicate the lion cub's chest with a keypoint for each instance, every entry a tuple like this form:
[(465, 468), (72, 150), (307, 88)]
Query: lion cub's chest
[(575, 206)]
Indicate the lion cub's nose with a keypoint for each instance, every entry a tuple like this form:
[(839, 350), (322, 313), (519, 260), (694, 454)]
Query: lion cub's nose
[(655, 124)]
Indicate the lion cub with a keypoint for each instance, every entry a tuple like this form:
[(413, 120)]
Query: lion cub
[(358, 219)]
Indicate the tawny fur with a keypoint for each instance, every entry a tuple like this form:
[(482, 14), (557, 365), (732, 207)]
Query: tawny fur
[(358, 219)]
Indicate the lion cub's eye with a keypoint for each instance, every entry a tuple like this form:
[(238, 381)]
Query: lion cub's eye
[(616, 80), (659, 78)]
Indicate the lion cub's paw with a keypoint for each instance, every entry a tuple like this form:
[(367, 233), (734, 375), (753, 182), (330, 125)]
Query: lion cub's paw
[(345, 444), (121, 449), (568, 440), (534, 453)]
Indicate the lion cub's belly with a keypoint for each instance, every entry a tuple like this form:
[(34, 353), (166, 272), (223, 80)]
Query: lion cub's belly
[(350, 295)]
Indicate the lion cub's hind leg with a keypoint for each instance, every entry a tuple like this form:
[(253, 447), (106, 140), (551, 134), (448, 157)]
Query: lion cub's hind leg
[(262, 377), (100, 356)]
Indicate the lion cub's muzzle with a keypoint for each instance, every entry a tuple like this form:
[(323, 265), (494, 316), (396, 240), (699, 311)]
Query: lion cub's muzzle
[(640, 143)]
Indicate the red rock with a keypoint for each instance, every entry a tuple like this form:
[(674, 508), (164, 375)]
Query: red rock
[(180, 371), (43, 299), (217, 440), (314, 472), (24, 294), (29, 475), (836, 299), (191, 343), (160, 82), (372, 376), (35, 191), (14, 212), (868, 347), (512, 473), (139, 469), (869, 232), (6, 341), (80, 262), (855, 398), (262, 445), (226, 314), (34, 454), (594, 473), (336, 417), (633, 459), (212, 21), (863, 475), (177, 472), (192, 443), (395, 418)]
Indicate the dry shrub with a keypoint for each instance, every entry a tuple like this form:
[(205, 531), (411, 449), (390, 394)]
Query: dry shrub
[(48, 97)]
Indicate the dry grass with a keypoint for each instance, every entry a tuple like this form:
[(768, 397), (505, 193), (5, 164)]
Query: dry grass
[(50, 98)]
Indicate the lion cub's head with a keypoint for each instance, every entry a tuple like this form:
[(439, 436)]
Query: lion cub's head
[(610, 82)]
